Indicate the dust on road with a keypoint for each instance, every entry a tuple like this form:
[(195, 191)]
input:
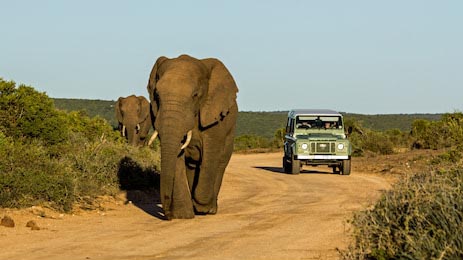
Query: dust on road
[(263, 214)]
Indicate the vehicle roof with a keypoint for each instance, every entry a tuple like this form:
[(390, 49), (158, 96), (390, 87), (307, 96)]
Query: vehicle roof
[(318, 112)]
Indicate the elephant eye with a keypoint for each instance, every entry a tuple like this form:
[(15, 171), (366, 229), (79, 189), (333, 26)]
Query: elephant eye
[(195, 94)]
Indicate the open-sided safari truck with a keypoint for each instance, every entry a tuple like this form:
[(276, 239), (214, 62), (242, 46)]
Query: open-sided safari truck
[(316, 137)]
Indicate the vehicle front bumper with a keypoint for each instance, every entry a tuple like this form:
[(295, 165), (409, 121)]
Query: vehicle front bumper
[(322, 157)]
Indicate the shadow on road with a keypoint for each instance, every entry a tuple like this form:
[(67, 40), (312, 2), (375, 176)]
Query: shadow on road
[(303, 171), (141, 185)]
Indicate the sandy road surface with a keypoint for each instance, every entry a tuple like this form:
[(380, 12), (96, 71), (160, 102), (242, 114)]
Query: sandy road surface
[(263, 214)]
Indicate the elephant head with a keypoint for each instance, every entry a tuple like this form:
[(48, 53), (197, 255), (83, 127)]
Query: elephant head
[(134, 117), (191, 101)]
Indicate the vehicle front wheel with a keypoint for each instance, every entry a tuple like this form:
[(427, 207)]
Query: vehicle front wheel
[(286, 166), (295, 166), (346, 167)]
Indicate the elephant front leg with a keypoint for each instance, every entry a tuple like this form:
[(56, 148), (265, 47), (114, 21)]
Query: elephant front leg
[(204, 194), (182, 205)]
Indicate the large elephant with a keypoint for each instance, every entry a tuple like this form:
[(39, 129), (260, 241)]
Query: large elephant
[(134, 116), (195, 110)]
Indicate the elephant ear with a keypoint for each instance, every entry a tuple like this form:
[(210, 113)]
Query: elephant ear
[(221, 95), (118, 110), (144, 109), (154, 77)]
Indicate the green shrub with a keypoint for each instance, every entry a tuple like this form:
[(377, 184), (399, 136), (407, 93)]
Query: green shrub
[(59, 176), (29, 177), (25, 112), (249, 142), (97, 165), (92, 128), (279, 138), (450, 157), (56, 158), (367, 140), (445, 133), (420, 218), (398, 138)]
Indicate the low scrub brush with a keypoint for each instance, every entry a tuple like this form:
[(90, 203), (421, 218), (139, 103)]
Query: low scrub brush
[(420, 218)]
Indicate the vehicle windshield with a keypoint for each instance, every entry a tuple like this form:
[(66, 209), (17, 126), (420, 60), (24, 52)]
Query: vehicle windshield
[(319, 122)]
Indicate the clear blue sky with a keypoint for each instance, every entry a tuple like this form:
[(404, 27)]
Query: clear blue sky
[(370, 57)]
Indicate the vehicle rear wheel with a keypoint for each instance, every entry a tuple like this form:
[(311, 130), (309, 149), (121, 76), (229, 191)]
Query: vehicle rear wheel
[(295, 166), (345, 167)]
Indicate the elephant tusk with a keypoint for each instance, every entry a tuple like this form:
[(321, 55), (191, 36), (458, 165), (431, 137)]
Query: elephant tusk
[(153, 137), (123, 130), (138, 127), (188, 139)]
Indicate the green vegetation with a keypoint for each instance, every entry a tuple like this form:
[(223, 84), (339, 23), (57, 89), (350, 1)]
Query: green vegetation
[(263, 124), (392, 121), (439, 134), (54, 158), (102, 108)]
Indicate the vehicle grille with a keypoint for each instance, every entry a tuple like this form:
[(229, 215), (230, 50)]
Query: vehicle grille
[(323, 147)]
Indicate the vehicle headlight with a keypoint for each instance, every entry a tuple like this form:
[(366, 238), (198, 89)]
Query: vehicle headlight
[(340, 146), (304, 146)]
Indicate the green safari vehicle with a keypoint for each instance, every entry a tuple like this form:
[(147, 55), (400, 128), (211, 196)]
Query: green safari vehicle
[(316, 137)]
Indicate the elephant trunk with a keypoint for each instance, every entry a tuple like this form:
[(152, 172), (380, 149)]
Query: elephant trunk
[(169, 157), (132, 134), (172, 166)]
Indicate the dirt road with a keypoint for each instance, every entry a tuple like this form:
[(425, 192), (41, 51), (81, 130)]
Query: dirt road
[(263, 214)]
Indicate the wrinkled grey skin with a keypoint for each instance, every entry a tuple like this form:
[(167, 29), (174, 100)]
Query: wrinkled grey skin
[(134, 116), (198, 95)]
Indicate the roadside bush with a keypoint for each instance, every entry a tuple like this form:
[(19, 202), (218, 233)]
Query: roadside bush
[(279, 138), (91, 128), (445, 133), (454, 127), (249, 142), (370, 141), (398, 138), (81, 171), (428, 135), (420, 218), (54, 158), (29, 177), (27, 113), (95, 166), (448, 158)]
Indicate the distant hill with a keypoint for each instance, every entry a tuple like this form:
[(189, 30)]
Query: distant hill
[(266, 123), (253, 123), (260, 123), (391, 121), (102, 108)]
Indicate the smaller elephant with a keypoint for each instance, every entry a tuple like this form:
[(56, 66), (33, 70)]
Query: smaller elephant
[(134, 116)]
